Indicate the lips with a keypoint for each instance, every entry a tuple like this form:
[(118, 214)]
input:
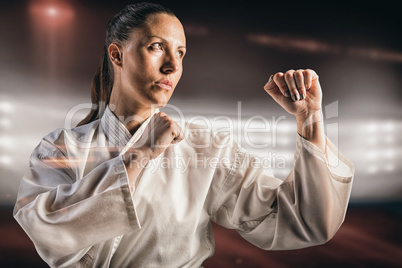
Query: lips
[(165, 84)]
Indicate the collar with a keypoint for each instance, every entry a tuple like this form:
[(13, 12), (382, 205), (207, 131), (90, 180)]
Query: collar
[(117, 133)]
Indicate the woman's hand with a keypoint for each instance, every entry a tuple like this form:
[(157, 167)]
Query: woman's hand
[(298, 92), (159, 134)]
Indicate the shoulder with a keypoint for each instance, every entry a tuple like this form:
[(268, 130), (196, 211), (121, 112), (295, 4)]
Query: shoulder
[(63, 138)]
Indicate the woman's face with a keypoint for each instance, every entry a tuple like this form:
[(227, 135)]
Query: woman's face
[(151, 61)]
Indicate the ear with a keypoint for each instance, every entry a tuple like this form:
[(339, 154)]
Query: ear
[(115, 54)]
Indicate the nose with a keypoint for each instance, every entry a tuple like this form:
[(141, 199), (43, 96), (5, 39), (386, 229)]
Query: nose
[(171, 64)]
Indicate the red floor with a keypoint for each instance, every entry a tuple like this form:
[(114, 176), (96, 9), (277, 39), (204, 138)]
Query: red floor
[(370, 237)]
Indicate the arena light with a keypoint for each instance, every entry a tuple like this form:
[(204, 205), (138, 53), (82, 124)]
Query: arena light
[(6, 142), (285, 127), (390, 167), (372, 127), (389, 153), (317, 46), (6, 107), (389, 126), (5, 160), (51, 13)]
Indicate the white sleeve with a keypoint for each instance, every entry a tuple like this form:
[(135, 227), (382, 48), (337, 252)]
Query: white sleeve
[(304, 210), (63, 215)]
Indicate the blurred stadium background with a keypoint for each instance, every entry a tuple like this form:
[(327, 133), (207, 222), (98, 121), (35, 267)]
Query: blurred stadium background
[(50, 50)]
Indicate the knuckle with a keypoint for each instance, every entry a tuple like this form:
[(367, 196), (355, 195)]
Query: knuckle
[(289, 74), (298, 74), (278, 75), (309, 71)]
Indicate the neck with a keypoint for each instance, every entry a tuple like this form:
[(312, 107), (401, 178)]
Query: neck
[(131, 115)]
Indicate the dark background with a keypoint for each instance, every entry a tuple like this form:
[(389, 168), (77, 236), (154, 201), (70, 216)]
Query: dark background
[(219, 51)]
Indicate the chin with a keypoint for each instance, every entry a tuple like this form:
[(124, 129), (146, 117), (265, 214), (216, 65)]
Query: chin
[(160, 102), (159, 105)]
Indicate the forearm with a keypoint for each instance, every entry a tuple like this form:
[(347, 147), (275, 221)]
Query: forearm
[(135, 161), (63, 218), (313, 196), (311, 128)]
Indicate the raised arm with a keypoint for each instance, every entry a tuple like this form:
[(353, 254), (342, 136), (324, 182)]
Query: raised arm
[(299, 93), (309, 206)]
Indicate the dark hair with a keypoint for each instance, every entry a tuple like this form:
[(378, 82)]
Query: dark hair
[(118, 30)]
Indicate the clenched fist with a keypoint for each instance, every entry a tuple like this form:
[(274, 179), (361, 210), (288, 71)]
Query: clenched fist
[(159, 134), (298, 92)]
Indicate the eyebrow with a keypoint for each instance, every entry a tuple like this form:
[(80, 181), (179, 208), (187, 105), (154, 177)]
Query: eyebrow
[(151, 36)]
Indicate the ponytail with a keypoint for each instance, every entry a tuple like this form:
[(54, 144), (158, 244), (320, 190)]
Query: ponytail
[(118, 31), (101, 89)]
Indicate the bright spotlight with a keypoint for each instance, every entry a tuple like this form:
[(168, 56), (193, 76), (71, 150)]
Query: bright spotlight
[(389, 153), (5, 160), (6, 107), (389, 126), (45, 15), (6, 142), (390, 168), (51, 11), (285, 128), (372, 127)]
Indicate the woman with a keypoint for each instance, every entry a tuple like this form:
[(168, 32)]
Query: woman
[(89, 199)]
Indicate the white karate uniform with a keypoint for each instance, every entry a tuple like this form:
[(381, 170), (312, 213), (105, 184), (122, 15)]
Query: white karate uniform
[(76, 205)]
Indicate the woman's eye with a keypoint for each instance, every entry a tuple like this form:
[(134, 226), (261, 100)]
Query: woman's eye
[(157, 46), (180, 54)]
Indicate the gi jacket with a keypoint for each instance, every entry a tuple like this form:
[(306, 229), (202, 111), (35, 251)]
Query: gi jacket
[(76, 205)]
